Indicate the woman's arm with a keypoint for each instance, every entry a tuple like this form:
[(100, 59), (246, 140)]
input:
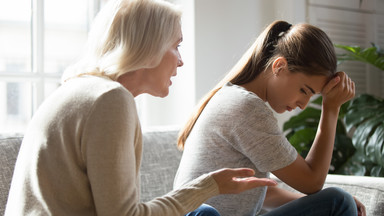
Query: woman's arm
[(308, 175), (276, 197)]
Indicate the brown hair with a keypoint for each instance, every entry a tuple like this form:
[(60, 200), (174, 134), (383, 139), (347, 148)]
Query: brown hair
[(306, 48)]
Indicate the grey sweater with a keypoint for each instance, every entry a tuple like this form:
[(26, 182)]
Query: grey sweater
[(236, 129)]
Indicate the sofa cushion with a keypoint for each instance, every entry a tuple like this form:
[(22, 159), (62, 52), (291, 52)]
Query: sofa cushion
[(159, 163), (9, 148), (368, 190)]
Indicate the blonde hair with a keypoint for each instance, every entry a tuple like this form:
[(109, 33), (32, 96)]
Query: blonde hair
[(128, 35), (307, 50)]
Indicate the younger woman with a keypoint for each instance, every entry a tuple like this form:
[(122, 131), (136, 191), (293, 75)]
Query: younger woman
[(233, 126)]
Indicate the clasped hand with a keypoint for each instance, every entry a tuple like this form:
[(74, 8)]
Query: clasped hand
[(338, 90)]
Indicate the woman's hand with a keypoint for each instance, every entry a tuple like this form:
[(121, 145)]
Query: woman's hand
[(338, 90), (234, 181), (360, 207)]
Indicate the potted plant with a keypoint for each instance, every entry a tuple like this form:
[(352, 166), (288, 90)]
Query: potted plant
[(365, 115)]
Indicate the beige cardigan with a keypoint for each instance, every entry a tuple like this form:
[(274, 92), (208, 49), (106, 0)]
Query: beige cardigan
[(81, 155)]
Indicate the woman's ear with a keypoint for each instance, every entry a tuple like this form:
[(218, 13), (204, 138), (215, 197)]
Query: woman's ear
[(279, 65)]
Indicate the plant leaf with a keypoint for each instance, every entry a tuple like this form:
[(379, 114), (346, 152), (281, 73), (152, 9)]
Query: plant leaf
[(342, 151), (377, 171), (375, 145), (302, 139), (354, 166), (352, 49), (307, 118), (363, 132), (362, 108), (371, 55), (318, 100)]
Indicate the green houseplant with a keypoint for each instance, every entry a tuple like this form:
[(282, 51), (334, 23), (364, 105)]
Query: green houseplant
[(361, 153), (372, 55), (365, 115)]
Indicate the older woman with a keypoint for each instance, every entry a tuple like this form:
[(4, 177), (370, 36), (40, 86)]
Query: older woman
[(82, 151)]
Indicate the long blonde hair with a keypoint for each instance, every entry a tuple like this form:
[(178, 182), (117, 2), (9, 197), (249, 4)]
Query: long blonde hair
[(128, 35), (306, 48)]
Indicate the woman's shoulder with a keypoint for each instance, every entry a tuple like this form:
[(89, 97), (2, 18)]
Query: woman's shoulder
[(91, 90), (233, 101), (96, 86), (239, 97)]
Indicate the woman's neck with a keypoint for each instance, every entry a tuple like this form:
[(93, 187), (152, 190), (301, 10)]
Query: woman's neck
[(132, 81), (259, 85)]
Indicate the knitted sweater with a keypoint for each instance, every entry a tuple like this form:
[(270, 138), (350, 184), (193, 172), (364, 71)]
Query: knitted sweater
[(81, 155)]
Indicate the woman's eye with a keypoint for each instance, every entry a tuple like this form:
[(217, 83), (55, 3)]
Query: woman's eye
[(303, 91)]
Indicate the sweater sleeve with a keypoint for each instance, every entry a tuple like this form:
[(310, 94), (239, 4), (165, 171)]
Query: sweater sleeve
[(111, 149)]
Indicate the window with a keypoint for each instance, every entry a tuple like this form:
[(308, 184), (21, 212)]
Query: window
[(38, 40)]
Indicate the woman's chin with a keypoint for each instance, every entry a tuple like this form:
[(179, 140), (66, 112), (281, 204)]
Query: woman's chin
[(280, 111), (164, 93)]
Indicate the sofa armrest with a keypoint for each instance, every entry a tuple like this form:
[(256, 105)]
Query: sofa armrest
[(368, 190), (9, 149)]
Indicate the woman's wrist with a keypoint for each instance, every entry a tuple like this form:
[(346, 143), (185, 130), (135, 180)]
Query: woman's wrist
[(331, 108)]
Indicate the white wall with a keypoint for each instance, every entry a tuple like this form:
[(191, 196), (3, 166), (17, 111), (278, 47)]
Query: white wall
[(224, 30)]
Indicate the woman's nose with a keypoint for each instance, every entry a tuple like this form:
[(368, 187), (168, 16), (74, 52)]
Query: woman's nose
[(303, 103), (180, 63)]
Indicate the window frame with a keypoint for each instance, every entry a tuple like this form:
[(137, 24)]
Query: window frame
[(35, 76)]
